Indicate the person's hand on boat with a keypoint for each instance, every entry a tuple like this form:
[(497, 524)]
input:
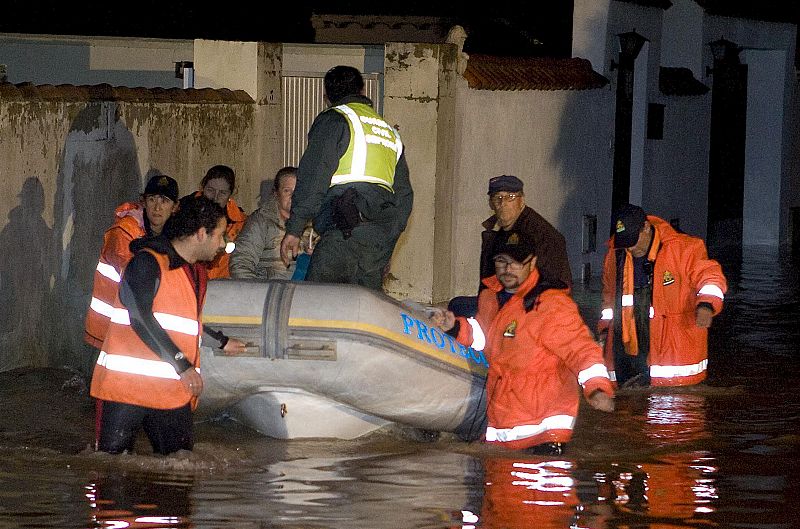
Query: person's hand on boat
[(290, 248), (444, 319), (601, 401), (192, 381), (234, 347)]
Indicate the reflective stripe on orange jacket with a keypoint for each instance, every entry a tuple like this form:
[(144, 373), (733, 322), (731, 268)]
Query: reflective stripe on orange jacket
[(220, 266), (683, 277), (127, 370), (538, 361), (115, 254)]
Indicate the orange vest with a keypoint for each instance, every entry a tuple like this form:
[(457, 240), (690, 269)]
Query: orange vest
[(127, 370), (219, 267), (113, 257)]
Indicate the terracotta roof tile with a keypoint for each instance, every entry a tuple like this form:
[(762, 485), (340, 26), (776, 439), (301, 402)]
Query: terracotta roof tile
[(489, 72), (106, 92), (679, 82)]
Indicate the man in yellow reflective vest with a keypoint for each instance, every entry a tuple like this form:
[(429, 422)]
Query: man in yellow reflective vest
[(353, 181), (147, 371)]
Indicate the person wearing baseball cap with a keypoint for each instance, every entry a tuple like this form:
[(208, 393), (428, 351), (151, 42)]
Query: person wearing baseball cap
[(540, 352), (507, 201), (132, 220), (660, 293)]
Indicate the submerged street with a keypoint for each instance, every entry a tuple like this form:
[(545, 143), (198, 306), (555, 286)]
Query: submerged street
[(722, 454)]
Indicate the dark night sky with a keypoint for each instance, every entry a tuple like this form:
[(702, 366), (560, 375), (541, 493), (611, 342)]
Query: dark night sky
[(503, 27)]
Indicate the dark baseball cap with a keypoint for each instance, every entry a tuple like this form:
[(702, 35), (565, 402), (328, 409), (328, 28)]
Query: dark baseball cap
[(505, 182), (628, 223), (162, 185), (514, 244)]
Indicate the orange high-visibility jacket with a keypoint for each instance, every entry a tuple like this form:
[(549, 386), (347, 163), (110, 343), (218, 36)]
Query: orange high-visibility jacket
[(538, 361), (127, 370), (220, 266), (128, 225), (683, 277)]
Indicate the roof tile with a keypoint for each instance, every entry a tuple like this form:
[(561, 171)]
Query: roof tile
[(489, 72), (106, 92)]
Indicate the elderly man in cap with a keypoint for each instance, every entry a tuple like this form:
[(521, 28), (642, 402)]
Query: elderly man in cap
[(507, 200), (541, 354), (660, 293)]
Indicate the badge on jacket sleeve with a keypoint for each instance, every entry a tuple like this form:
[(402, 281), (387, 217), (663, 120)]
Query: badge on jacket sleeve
[(668, 278), (511, 330)]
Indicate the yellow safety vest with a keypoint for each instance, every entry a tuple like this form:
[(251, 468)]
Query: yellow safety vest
[(375, 147)]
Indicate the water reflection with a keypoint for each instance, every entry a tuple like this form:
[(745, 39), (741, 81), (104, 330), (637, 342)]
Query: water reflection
[(121, 501), (719, 455)]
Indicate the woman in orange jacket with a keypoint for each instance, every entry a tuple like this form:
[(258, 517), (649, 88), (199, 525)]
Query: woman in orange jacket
[(540, 352), (218, 185)]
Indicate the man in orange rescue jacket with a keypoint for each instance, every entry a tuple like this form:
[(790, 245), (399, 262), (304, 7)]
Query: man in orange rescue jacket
[(660, 293), (540, 352), (146, 374)]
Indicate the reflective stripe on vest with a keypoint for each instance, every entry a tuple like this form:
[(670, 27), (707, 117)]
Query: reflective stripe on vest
[(168, 322), (104, 290), (137, 366), (106, 270), (374, 149), (555, 422), (678, 371)]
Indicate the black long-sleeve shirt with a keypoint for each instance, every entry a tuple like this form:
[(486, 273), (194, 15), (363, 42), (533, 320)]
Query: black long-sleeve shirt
[(328, 140), (138, 289)]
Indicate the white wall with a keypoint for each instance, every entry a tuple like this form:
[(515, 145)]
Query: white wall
[(682, 42), (589, 27), (557, 142), (763, 164)]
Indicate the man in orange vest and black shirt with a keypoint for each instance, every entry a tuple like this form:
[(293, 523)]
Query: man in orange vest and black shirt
[(146, 374)]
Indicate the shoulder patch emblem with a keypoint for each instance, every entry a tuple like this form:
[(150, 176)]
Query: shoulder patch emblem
[(620, 226), (668, 278), (511, 330)]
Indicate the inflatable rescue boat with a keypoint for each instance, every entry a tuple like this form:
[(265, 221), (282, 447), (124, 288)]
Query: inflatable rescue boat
[(336, 361)]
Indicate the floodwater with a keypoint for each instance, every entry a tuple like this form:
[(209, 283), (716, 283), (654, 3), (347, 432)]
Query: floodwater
[(722, 454)]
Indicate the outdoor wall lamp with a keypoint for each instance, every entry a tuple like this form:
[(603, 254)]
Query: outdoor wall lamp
[(630, 44)]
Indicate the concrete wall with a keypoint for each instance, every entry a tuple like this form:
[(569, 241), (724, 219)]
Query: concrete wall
[(418, 94), (118, 61), (64, 166)]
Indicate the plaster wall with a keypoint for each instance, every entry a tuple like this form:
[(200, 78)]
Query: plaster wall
[(118, 61), (558, 143), (682, 40), (677, 186), (411, 105), (590, 20), (65, 167)]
